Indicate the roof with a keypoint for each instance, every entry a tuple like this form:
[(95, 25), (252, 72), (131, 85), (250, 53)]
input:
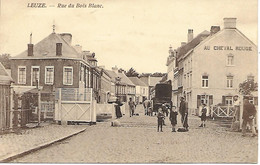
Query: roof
[(137, 81), (5, 79), (112, 74), (46, 48), (124, 80), (192, 44), (154, 80)]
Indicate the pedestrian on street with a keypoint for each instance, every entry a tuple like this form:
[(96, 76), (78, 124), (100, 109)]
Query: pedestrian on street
[(203, 115), (150, 111), (160, 119), (165, 109), (118, 109), (183, 109), (131, 104), (237, 108), (249, 113), (173, 118), (146, 105)]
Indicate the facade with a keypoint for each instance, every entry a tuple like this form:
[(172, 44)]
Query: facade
[(209, 68), (141, 89), (106, 86), (55, 63), (150, 82), (5, 99), (124, 88)]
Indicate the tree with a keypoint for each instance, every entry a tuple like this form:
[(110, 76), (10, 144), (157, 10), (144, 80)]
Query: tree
[(132, 73), (248, 86), (5, 60), (157, 74)]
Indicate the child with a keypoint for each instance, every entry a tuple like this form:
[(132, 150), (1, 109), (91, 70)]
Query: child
[(173, 117), (160, 117), (203, 115), (150, 112)]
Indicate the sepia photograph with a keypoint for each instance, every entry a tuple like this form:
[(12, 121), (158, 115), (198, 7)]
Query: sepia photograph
[(134, 81)]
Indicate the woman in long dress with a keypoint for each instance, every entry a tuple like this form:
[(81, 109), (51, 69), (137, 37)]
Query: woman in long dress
[(118, 109)]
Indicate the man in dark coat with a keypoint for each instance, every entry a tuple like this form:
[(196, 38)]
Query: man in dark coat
[(249, 113), (183, 109), (118, 109)]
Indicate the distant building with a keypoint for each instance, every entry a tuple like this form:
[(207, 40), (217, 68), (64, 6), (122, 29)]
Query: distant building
[(141, 89), (107, 89), (209, 68), (124, 88), (150, 82)]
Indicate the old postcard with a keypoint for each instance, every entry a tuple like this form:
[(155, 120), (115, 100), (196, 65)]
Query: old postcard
[(137, 81)]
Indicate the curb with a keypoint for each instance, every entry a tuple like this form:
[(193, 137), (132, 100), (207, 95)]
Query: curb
[(41, 146)]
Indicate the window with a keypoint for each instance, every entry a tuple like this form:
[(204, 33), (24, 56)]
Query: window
[(204, 99), (49, 74), (21, 74), (67, 75), (205, 81), (229, 100), (35, 75), (229, 81), (230, 60)]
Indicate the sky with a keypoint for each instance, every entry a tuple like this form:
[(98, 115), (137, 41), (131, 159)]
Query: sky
[(133, 33)]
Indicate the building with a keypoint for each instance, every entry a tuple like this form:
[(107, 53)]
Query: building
[(209, 68), (150, 81), (141, 89), (55, 63), (5, 99), (107, 87), (124, 88)]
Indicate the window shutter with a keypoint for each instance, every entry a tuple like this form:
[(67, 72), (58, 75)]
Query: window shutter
[(223, 100), (198, 101), (210, 99)]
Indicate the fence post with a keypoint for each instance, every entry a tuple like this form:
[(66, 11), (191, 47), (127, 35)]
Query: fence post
[(11, 108), (39, 106), (241, 113)]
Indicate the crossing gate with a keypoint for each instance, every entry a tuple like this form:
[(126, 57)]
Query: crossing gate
[(75, 105), (222, 111)]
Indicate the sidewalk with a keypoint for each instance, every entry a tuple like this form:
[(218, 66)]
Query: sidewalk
[(14, 145)]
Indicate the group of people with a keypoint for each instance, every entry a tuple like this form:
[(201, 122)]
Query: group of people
[(249, 113), (118, 104), (163, 112)]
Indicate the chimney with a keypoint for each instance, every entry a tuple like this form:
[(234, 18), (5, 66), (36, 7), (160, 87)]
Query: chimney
[(67, 37), (183, 43), (58, 49), (30, 49), (115, 69), (230, 23), (214, 29), (190, 35)]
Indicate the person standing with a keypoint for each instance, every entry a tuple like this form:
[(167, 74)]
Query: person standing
[(118, 109), (160, 119), (203, 115), (249, 113), (146, 105), (131, 104), (237, 108), (173, 117), (183, 109)]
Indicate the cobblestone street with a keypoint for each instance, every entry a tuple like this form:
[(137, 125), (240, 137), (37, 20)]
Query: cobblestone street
[(137, 141)]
